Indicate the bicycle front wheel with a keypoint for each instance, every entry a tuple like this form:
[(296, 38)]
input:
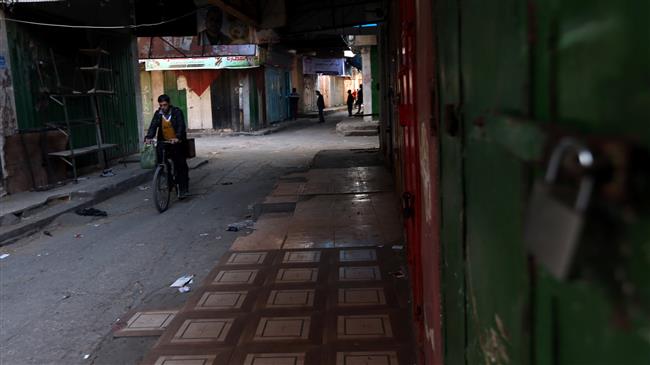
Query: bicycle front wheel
[(161, 190)]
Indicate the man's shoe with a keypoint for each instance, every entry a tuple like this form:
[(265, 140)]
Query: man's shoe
[(183, 194)]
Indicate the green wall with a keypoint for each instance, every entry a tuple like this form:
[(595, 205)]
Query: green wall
[(178, 97), (30, 46), (375, 68)]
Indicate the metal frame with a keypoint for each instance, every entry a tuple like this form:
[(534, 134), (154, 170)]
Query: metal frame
[(93, 94)]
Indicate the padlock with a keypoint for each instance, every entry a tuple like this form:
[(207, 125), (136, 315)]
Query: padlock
[(552, 229)]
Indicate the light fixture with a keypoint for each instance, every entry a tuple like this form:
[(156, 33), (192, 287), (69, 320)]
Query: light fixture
[(348, 53)]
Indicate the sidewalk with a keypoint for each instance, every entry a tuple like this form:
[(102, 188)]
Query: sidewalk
[(317, 282), (24, 213)]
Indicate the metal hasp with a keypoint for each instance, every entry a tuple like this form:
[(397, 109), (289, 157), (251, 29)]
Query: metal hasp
[(552, 228)]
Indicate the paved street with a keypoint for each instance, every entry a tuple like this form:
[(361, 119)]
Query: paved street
[(62, 291)]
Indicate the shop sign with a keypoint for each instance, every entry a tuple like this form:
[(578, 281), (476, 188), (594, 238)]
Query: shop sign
[(328, 66), (202, 63)]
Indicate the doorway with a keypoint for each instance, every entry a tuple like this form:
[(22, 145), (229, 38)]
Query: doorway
[(225, 100)]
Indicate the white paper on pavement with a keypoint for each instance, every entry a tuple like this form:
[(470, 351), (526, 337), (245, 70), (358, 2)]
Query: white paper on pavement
[(182, 281)]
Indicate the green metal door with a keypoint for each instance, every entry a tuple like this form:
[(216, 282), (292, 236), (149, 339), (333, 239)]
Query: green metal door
[(591, 79), (253, 100), (482, 185), (513, 77), (493, 74), (451, 183), (178, 97)]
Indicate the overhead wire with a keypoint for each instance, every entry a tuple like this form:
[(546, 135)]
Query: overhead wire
[(126, 26)]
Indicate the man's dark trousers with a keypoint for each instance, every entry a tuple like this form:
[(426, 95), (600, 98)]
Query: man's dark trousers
[(176, 152), (294, 108), (321, 116)]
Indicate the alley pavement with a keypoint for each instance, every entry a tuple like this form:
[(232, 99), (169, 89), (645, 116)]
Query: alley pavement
[(64, 289), (322, 281)]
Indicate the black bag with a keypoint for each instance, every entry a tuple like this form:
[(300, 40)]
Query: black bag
[(190, 148)]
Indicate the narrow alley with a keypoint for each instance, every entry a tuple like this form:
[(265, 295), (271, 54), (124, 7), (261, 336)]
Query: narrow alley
[(308, 182), (69, 286)]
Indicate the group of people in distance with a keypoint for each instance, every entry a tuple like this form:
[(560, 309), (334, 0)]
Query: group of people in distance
[(354, 98)]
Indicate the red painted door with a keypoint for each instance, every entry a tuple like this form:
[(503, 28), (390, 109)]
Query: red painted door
[(428, 157), (410, 156)]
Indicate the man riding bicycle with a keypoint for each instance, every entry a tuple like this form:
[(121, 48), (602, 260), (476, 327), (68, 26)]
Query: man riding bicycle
[(168, 124)]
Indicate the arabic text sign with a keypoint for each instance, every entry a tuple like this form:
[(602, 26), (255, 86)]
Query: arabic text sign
[(330, 66), (201, 63)]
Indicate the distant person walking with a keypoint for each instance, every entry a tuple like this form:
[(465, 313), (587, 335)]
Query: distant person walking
[(293, 103), (320, 103), (359, 99), (350, 103)]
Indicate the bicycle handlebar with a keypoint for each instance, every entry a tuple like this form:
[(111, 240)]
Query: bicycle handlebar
[(167, 142)]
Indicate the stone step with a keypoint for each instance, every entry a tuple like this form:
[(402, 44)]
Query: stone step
[(352, 127)]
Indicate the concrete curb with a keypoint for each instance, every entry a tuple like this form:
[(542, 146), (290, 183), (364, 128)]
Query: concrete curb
[(351, 127), (286, 124), (12, 233)]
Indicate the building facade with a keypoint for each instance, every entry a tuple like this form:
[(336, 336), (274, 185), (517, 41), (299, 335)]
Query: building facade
[(65, 91)]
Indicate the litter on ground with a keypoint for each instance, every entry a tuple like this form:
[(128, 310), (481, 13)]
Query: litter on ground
[(182, 281), (238, 226), (107, 173), (91, 212), (4, 256)]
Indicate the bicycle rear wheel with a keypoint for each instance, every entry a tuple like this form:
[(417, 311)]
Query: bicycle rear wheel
[(161, 189)]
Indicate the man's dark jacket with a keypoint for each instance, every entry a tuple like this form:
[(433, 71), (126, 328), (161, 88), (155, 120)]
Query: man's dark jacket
[(178, 122), (320, 102)]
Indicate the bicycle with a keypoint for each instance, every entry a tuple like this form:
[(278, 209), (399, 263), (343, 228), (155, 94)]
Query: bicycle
[(164, 181)]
